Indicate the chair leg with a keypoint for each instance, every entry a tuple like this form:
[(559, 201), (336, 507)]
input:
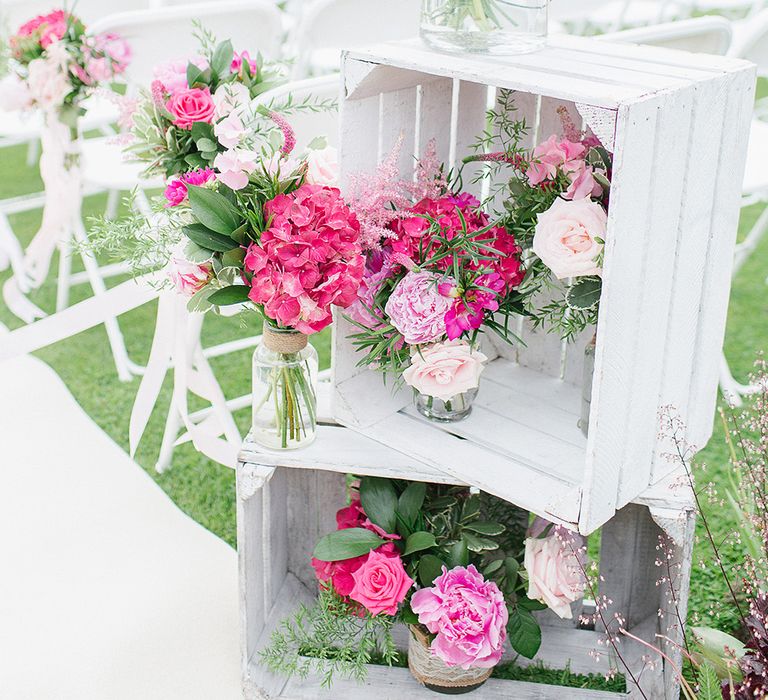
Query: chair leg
[(119, 352), (748, 245), (113, 202), (33, 151), (64, 279), (171, 432)]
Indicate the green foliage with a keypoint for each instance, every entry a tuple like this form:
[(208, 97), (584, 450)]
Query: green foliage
[(709, 684), (584, 294), (380, 502), (524, 632), (327, 639), (214, 211), (346, 544), (226, 296)]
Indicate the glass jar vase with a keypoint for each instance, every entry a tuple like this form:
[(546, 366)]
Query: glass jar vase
[(499, 27), (284, 390), (446, 411)]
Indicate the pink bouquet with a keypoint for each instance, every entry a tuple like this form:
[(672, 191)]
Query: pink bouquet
[(55, 63)]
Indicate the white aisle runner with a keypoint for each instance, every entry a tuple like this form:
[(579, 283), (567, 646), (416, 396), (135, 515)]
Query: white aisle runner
[(107, 590)]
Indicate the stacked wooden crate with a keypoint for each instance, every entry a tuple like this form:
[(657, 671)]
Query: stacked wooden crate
[(677, 125)]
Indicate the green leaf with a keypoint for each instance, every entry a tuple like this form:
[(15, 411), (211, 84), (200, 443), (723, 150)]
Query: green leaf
[(195, 253), (584, 294), (490, 529), (430, 567), (408, 616), (233, 258), (419, 541), (478, 544), (239, 234), (379, 501), (524, 632), (531, 605), (205, 144), (709, 684), (471, 508), (411, 500), (222, 59), (194, 74), (458, 554), (493, 567), (205, 238), (346, 544), (214, 210), (202, 130), (235, 294)]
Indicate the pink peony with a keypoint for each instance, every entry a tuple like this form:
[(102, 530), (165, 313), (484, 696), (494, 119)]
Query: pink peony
[(417, 309), (190, 106), (569, 236), (172, 75), (445, 370), (381, 583), (238, 59), (555, 571), (176, 190), (307, 260), (234, 166), (467, 614), (188, 277), (47, 28), (554, 156)]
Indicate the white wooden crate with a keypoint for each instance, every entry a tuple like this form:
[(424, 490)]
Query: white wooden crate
[(283, 510), (678, 125)]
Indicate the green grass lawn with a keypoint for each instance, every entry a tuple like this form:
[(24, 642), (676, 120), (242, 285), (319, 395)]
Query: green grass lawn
[(206, 491)]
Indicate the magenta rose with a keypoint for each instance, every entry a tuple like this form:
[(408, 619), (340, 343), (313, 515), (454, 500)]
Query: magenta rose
[(381, 583), (467, 614), (417, 309), (190, 106)]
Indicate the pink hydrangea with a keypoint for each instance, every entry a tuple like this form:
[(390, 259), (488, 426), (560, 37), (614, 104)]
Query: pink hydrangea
[(417, 309), (467, 614), (176, 190), (307, 260)]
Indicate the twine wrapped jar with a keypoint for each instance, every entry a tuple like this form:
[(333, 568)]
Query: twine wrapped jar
[(434, 674)]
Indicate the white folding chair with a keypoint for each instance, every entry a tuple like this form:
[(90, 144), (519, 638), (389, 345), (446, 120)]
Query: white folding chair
[(177, 343), (699, 35), (599, 16), (328, 26)]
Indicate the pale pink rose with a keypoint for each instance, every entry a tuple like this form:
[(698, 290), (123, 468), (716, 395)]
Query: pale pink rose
[(230, 130), (188, 277), (234, 166), (190, 106), (467, 615), (48, 83), (14, 94), (583, 184), (417, 309), (231, 97), (566, 237), (381, 583), (555, 575), (323, 167), (173, 74), (281, 165), (445, 370)]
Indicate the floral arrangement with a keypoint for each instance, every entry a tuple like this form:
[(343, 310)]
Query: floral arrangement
[(555, 205), (428, 555), (437, 271), (198, 114), (55, 63)]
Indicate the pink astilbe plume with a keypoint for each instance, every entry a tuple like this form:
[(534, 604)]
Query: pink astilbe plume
[(289, 137), (379, 199), (431, 182)]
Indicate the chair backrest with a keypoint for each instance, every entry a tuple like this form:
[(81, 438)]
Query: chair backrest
[(752, 44), (165, 33), (700, 35), (340, 24), (309, 125)]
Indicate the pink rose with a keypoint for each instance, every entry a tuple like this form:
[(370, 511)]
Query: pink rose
[(467, 614), (445, 370), (230, 130), (323, 167), (172, 75), (417, 309), (381, 583), (190, 106), (235, 166), (188, 277), (555, 575), (566, 237)]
